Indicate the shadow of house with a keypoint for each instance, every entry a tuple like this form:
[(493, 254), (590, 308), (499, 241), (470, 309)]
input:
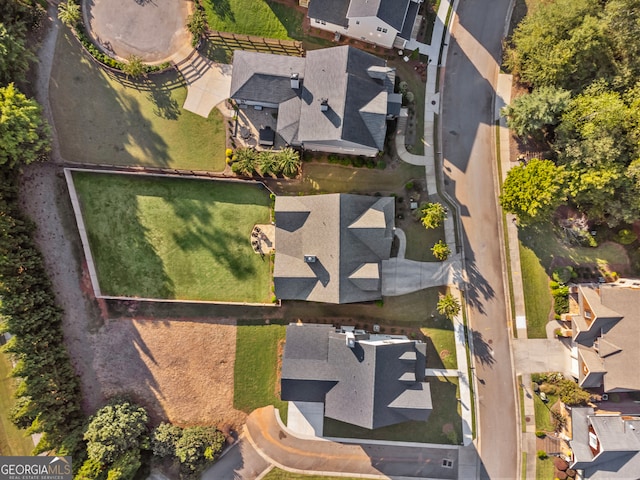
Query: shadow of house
[(367, 380), (335, 100), (329, 248)]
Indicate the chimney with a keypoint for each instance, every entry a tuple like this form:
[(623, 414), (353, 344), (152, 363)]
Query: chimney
[(295, 80), (324, 104)]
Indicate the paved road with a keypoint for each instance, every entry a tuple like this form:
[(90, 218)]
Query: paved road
[(469, 151), (241, 462)]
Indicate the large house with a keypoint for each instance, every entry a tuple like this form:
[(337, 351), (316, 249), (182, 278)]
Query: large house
[(388, 23), (605, 336), (368, 380), (605, 447), (329, 248), (336, 100)]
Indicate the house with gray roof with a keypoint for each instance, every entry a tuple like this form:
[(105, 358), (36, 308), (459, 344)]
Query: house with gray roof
[(388, 23), (329, 248), (336, 100), (368, 380), (605, 336), (605, 447)]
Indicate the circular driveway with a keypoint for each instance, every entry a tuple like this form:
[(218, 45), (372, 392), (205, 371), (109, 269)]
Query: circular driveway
[(154, 30)]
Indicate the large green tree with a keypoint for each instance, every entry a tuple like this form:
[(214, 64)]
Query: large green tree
[(116, 429), (561, 43), (14, 54), (622, 23), (538, 112), (533, 191), (24, 135)]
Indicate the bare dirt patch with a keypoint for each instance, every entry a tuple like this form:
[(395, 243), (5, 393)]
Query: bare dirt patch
[(180, 370)]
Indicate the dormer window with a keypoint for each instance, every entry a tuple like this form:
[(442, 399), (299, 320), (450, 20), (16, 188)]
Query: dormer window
[(593, 440), (587, 314)]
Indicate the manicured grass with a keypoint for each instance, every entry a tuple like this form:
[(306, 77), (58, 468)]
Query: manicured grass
[(101, 118), (247, 17), (444, 425), (13, 441), (537, 296), (420, 240), (441, 343), (277, 474), (543, 412), (256, 377), (545, 469), (406, 73), (175, 238)]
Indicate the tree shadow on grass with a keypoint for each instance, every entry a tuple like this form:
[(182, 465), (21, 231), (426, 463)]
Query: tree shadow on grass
[(222, 9), (165, 105)]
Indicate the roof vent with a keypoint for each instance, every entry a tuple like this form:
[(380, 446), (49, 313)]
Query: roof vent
[(324, 104), (295, 80), (310, 259)]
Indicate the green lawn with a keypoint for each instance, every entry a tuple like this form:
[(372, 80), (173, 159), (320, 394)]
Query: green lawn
[(543, 412), (255, 380), (12, 440), (545, 469), (247, 17), (441, 343), (444, 425), (175, 238), (277, 474), (537, 296), (406, 73), (100, 118)]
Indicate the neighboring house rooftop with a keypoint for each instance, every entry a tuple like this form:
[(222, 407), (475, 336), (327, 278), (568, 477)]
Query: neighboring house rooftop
[(329, 247), (341, 100), (605, 446), (392, 12), (375, 382), (606, 336)]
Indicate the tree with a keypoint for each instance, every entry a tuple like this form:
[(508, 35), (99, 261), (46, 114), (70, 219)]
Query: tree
[(115, 429), (432, 214), (448, 305), (441, 250), (288, 162), (561, 43), (245, 161), (125, 467), (24, 135), (197, 25), (267, 163), (197, 447), (533, 191), (14, 54), (164, 439), (622, 20), (536, 112), (69, 13), (134, 67)]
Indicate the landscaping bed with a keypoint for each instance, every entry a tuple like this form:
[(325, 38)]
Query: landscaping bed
[(169, 238)]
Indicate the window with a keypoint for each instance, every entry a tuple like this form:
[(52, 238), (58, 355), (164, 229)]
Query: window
[(316, 20), (323, 22), (357, 22), (384, 30), (379, 29), (593, 440), (587, 314), (446, 463)]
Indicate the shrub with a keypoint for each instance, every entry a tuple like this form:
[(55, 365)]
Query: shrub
[(548, 388), (228, 152), (571, 472), (626, 236), (560, 304), (164, 439), (408, 185), (380, 303), (197, 26), (563, 274), (560, 464), (560, 475), (542, 455), (540, 434), (381, 165)]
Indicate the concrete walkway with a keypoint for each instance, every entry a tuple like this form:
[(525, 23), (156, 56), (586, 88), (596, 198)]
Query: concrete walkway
[(208, 84)]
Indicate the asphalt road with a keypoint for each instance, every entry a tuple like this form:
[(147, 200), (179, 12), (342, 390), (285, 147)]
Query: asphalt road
[(468, 147)]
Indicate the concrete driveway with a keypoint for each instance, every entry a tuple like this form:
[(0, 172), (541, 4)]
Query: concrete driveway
[(154, 30), (241, 462)]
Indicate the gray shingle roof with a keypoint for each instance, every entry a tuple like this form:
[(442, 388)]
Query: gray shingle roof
[(331, 11), (265, 77), (374, 384), (348, 235), (613, 338), (409, 20), (392, 12), (357, 94)]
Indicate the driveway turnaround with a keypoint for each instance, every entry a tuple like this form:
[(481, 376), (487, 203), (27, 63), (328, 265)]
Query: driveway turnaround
[(276, 444), (154, 30)]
